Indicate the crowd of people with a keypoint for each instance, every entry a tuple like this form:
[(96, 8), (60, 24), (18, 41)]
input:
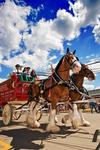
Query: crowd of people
[(25, 75)]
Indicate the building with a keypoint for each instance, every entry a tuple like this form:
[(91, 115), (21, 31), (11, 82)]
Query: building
[(95, 93)]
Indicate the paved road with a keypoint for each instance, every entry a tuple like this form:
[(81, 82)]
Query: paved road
[(22, 137)]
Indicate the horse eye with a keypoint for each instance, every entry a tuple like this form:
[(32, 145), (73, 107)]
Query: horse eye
[(84, 69)]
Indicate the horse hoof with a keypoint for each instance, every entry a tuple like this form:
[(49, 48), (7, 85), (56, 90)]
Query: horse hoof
[(53, 129), (29, 121), (65, 119), (86, 124), (32, 123), (75, 124), (36, 124)]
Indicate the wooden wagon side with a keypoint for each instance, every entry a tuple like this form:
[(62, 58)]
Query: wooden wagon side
[(12, 94)]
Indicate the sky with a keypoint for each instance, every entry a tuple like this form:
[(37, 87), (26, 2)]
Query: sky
[(36, 33)]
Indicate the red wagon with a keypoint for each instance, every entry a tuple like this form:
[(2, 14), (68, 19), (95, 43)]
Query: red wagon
[(13, 93)]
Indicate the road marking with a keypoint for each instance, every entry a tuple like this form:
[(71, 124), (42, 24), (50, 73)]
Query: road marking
[(4, 146)]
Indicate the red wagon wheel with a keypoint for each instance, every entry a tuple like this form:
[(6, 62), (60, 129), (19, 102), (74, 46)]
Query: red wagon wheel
[(7, 114)]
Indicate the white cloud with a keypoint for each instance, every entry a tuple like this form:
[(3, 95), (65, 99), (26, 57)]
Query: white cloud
[(69, 44), (2, 80), (93, 17), (93, 11), (53, 57), (34, 61), (89, 12), (66, 25), (45, 35), (89, 87), (12, 21), (98, 87), (90, 56), (96, 32)]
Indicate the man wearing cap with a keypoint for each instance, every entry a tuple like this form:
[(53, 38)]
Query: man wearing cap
[(19, 72)]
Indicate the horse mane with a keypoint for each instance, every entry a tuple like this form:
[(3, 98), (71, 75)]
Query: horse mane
[(59, 63)]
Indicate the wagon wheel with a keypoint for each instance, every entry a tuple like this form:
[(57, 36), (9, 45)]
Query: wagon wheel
[(38, 114), (7, 114), (17, 114)]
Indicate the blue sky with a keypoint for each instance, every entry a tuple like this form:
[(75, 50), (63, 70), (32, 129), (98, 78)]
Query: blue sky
[(36, 33)]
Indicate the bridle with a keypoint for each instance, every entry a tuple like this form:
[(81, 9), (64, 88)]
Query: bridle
[(70, 64), (57, 77), (87, 75)]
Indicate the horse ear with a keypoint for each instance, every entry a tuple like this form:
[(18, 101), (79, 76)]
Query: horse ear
[(74, 52), (67, 50)]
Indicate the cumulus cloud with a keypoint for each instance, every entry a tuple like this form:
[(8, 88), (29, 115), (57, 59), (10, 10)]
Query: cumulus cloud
[(93, 17), (89, 11), (93, 11), (2, 80), (12, 22), (96, 32), (45, 36), (66, 25), (40, 41)]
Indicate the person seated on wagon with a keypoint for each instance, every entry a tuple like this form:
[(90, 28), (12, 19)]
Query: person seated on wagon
[(26, 74), (19, 72), (33, 76)]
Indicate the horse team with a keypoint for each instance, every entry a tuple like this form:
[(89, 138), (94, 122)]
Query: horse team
[(59, 88)]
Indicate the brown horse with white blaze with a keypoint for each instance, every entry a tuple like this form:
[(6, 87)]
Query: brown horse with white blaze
[(55, 89), (78, 80)]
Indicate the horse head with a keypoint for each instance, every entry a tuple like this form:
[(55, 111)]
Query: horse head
[(86, 72), (69, 61), (73, 61)]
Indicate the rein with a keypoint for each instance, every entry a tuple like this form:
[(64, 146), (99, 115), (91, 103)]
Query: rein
[(74, 87), (58, 80)]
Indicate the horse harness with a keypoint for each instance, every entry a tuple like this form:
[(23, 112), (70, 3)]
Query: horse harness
[(59, 81)]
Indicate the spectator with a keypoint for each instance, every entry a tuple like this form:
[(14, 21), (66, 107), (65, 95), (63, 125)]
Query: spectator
[(92, 105)]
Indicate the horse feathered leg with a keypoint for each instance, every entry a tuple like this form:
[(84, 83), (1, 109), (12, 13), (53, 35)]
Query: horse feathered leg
[(52, 126), (83, 121), (74, 116), (31, 118)]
